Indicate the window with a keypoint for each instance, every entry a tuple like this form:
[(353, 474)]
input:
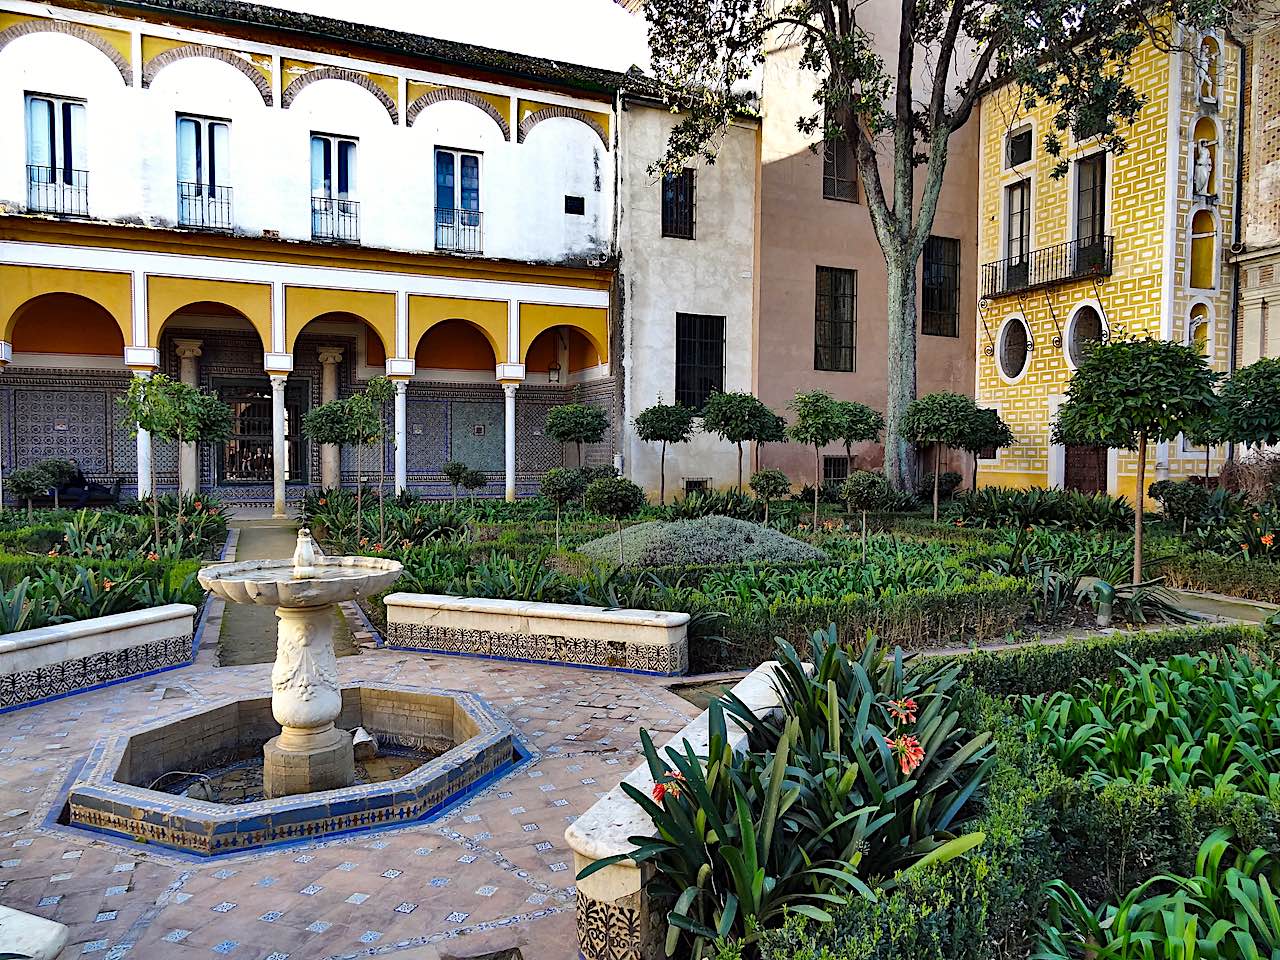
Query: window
[(1018, 147), (335, 213), (678, 205), (839, 172), (835, 469), (458, 217), (835, 331), (699, 358), (57, 160), (1014, 348), (940, 294), (204, 198), (1086, 329), (1091, 191), (1017, 233), (576, 206), (1204, 249), (696, 485)]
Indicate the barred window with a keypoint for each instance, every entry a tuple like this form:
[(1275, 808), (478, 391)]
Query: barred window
[(835, 469), (678, 205), (835, 319), (699, 358), (839, 172), (940, 294)]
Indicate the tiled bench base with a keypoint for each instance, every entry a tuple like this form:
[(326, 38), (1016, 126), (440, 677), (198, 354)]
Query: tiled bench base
[(636, 641)]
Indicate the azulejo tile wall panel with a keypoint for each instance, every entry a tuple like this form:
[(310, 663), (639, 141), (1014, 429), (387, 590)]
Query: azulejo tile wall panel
[(62, 423), (476, 434)]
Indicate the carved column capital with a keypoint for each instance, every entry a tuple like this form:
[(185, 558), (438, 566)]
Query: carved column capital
[(188, 349), (330, 355)]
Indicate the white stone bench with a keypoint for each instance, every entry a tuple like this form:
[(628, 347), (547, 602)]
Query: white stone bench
[(61, 659), (636, 641), (31, 936), (615, 918)]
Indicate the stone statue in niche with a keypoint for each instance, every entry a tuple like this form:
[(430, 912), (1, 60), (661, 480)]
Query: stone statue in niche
[(1207, 71), (1202, 166)]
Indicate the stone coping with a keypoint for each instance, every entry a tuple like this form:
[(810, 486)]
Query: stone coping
[(540, 611), (30, 936), (93, 627), (605, 829)]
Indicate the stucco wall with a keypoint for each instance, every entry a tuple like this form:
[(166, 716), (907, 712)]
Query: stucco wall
[(663, 276), (801, 230), (132, 151)]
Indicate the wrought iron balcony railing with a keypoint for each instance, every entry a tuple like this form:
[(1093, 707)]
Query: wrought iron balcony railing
[(1074, 260), (461, 231), (334, 219), (202, 205), (58, 190)]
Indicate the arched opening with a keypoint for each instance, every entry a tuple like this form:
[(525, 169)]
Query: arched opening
[(348, 325), (1204, 243), (1208, 60), (1204, 158), (560, 353), (455, 345), (66, 323), (1200, 330), (1085, 329)]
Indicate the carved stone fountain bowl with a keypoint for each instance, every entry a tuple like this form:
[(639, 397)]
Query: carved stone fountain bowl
[(277, 583)]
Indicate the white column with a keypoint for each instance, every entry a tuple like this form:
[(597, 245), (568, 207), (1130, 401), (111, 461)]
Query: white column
[(402, 436), (279, 448), (509, 436), (330, 453), (144, 453), (188, 463)]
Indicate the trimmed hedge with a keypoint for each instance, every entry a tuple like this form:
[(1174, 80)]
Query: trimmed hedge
[(1247, 579), (14, 568)]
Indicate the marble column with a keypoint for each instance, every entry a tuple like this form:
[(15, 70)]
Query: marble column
[(402, 438), (188, 461), (330, 453), (279, 443), (509, 436), (144, 453)]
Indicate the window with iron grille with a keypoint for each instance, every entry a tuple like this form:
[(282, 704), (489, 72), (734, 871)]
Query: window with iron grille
[(57, 155), (696, 485), (835, 319), (940, 288), (1091, 193), (699, 358), (839, 173), (678, 204), (835, 469)]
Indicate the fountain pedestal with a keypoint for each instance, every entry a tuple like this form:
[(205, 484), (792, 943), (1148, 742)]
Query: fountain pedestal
[(310, 754)]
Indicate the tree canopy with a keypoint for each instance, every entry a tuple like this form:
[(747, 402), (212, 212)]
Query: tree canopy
[(1251, 404), (891, 84), (739, 418)]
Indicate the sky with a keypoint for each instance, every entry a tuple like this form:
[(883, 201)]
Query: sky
[(596, 33)]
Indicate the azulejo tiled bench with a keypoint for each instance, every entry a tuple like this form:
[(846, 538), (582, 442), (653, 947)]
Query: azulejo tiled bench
[(65, 658), (635, 641), (616, 920)]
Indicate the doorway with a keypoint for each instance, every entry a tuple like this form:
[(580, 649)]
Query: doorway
[(246, 457), (1085, 468)]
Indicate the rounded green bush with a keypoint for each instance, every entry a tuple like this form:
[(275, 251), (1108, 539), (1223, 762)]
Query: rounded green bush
[(705, 540)]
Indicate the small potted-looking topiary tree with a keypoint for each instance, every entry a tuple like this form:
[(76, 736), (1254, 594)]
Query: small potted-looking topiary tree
[(454, 471), (738, 418), (769, 485), (616, 498), (819, 421), (940, 419), (665, 423), (863, 491), (562, 486)]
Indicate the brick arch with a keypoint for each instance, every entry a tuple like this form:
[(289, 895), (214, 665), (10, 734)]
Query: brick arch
[(298, 84), (443, 94), (203, 50), (548, 113), (27, 27)]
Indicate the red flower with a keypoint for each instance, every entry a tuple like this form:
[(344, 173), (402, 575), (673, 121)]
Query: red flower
[(908, 751), (903, 711), (198, 505), (153, 556), (322, 501), (1268, 539), (107, 584), (671, 785)]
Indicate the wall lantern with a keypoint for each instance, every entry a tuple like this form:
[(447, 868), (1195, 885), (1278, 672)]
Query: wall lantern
[(553, 373)]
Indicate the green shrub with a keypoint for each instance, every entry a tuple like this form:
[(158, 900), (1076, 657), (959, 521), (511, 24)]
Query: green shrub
[(1038, 507), (706, 540), (1237, 577), (718, 503), (948, 482)]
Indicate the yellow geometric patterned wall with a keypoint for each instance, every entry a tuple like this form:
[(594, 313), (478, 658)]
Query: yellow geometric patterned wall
[(1149, 203)]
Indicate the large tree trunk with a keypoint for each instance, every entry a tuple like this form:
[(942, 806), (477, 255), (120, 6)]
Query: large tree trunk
[(899, 455), (1139, 503)]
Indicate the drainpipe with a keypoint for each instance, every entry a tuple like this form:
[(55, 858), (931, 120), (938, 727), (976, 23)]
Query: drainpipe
[(1238, 205)]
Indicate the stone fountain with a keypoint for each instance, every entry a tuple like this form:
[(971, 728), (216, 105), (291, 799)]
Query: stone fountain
[(311, 753)]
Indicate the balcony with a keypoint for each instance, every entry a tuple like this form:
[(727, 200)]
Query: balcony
[(1075, 260), (204, 206), (460, 231), (53, 190), (334, 219)]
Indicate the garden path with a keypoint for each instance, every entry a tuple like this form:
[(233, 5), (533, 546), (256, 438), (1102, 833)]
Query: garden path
[(249, 630), (494, 872)]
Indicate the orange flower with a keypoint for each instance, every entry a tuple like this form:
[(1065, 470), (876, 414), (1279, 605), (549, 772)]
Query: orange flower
[(1244, 547), (908, 751), (322, 501), (153, 556), (669, 785), (903, 711), (1268, 539), (198, 505), (107, 584)]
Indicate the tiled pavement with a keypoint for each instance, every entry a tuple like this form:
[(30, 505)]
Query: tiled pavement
[(494, 872)]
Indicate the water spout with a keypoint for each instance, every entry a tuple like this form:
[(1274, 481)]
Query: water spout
[(304, 556)]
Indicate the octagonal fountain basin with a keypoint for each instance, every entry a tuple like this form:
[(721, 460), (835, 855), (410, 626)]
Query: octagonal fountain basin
[(189, 782)]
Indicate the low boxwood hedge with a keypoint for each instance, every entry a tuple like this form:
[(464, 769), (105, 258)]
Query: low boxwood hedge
[(1237, 577)]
